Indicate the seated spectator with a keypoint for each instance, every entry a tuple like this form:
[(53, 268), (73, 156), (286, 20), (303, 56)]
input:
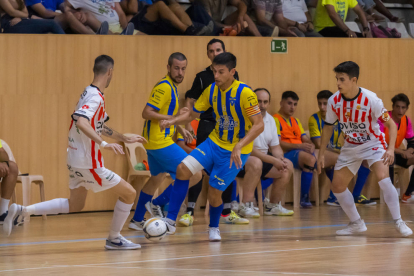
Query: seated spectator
[(104, 10), (403, 157), (160, 19), (316, 123), (266, 147), (331, 15), (8, 178), (14, 19), (369, 5), (296, 14), (77, 21), (295, 143), (130, 8), (216, 9)]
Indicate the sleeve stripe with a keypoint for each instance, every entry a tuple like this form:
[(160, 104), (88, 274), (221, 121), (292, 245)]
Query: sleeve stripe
[(153, 106), (197, 110), (80, 115), (314, 137)]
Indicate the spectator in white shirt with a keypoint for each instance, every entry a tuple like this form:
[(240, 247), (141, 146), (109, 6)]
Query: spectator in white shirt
[(296, 14)]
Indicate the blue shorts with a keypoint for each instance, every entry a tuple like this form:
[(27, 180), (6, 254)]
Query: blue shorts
[(216, 162), (165, 160), (293, 156)]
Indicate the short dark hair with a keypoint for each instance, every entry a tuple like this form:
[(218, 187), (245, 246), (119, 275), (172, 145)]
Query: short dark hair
[(258, 89), (227, 59), (290, 94), (102, 64), (324, 94), (178, 56), (215, 40), (400, 98), (348, 67)]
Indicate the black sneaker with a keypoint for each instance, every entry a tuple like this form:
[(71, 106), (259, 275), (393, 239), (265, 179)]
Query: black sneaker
[(103, 29), (2, 217), (363, 201)]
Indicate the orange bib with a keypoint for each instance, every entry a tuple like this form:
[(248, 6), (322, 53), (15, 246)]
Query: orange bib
[(289, 134), (402, 130), (194, 124)]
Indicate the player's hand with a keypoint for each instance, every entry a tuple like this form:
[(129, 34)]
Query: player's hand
[(351, 34), (309, 148), (117, 148), (407, 154), (81, 16), (188, 136), (291, 32), (235, 157), (320, 163), (189, 127), (15, 20), (165, 124), (135, 139), (367, 34), (240, 24), (410, 150), (280, 165), (388, 157), (302, 28), (309, 26), (4, 169)]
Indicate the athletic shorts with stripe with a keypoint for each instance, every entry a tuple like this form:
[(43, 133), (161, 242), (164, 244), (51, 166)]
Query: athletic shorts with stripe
[(97, 180)]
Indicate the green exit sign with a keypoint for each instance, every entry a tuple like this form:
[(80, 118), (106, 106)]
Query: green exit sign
[(279, 46)]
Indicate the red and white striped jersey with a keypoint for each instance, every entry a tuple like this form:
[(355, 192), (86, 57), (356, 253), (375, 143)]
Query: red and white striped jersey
[(358, 117), (84, 153)]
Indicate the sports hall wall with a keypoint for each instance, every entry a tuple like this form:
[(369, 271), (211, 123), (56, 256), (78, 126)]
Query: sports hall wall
[(42, 77)]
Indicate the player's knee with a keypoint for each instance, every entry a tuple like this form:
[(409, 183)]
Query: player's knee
[(13, 169), (214, 197), (310, 160), (130, 194), (183, 173), (254, 164)]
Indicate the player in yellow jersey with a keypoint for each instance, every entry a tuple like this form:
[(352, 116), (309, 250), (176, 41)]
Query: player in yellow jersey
[(163, 154), (229, 145)]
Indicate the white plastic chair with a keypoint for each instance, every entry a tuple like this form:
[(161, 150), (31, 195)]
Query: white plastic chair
[(135, 152), (26, 182), (353, 26), (411, 26), (400, 27)]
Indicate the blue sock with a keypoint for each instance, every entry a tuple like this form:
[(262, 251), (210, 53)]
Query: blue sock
[(360, 182), (238, 198), (306, 182), (178, 194), (140, 210), (234, 191), (331, 195), (215, 213), (163, 198), (329, 174)]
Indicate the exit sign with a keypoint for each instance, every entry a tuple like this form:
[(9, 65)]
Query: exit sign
[(279, 46)]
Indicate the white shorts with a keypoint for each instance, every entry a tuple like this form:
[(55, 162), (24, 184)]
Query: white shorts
[(352, 157), (97, 180)]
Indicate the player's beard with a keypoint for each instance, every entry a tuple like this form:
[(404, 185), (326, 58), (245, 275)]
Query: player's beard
[(176, 80)]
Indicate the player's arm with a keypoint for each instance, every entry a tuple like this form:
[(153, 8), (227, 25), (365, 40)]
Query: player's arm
[(122, 17), (185, 116), (186, 135), (327, 132), (109, 132), (388, 156), (42, 11), (4, 163), (184, 146), (338, 21), (150, 113)]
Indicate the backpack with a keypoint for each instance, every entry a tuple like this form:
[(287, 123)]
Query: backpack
[(381, 32)]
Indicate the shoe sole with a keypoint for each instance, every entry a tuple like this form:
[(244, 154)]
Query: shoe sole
[(361, 204), (108, 247), (184, 223), (216, 240), (350, 234), (250, 216), (134, 227), (333, 204)]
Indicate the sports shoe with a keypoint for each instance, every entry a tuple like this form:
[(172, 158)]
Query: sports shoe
[(276, 209), (305, 202), (13, 213), (235, 206), (407, 199), (136, 225), (352, 228), (154, 210), (247, 210), (186, 219), (129, 30), (3, 217), (120, 243), (103, 29), (363, 201), (171, 227), (214, 234), (333, 202), (402, 228), (233, 218)]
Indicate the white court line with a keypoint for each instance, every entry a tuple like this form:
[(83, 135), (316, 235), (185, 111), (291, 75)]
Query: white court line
[(209, 256)]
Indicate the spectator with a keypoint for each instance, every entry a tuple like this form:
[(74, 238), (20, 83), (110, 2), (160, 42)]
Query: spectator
[(8, 177), (331, 15), (295, 143), (14, 19), (130, 8), (369, 5), (296, 14), (77, 21), (105, 10)]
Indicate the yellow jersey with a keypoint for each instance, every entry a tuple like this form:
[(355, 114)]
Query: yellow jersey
[(289, 123), (164, 98), (341, 7), (231, 109), (316, 124), (1, 145)]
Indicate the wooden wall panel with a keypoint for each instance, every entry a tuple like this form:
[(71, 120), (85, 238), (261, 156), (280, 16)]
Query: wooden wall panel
[(42, 76)]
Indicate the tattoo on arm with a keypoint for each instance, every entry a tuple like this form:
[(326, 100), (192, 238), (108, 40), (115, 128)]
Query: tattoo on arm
[(109, 132)]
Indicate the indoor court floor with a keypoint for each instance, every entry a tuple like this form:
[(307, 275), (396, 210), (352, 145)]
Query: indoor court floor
[(304, 244)]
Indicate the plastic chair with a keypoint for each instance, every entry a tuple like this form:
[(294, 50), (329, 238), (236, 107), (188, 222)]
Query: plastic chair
[(400, 27), (133, 155), (26, 182), (353, 26), (411, 26)]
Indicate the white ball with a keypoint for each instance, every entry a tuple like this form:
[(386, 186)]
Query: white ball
[(155, 229)]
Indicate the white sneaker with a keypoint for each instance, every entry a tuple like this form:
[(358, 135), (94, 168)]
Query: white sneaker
[(120, 243), (14, 211), (233, 218), (136, 225), (214, 234), (247, 210), (402, 228), (276, 209), (186, 220), (352, 228), (171, 227), (235, 206), (154, 210)]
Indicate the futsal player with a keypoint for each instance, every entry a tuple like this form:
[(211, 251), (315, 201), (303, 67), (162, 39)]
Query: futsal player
[(85, 162), (163, 154), (358, 110), (227, 148)]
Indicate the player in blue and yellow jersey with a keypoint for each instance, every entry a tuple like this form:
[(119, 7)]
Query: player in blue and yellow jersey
[(316, 123), (163, 154), (226, 150)]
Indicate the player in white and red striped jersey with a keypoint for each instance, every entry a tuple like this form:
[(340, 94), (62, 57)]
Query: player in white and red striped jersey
[(85, 162), (358, 110)]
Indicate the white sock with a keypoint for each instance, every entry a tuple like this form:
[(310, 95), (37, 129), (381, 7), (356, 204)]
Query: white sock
[(51, 207), (121, 213), (191, 205), (4, 205), (346, 200), (390, 197)]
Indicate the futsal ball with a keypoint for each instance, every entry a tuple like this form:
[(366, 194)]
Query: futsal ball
[(155, 229)]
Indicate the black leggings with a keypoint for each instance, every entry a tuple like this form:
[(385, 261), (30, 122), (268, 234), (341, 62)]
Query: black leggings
[(31, 26)]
